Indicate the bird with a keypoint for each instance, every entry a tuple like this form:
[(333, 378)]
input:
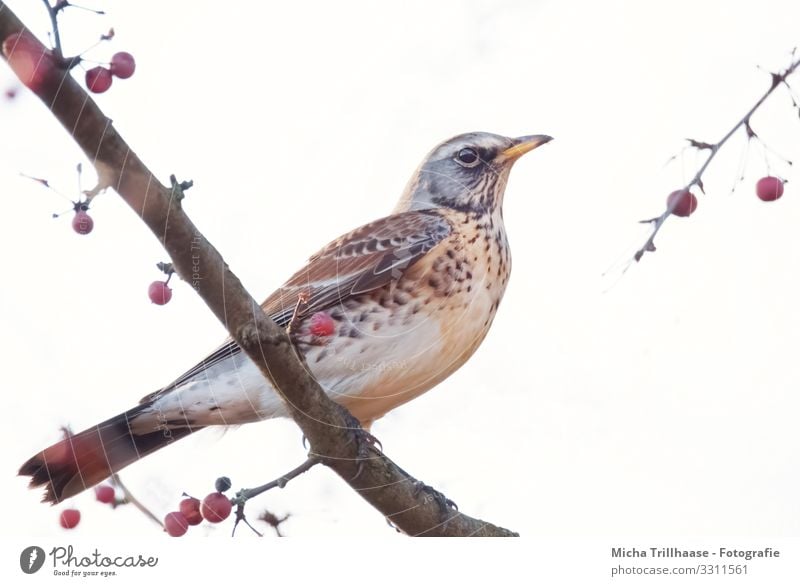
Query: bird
[(381, 315)]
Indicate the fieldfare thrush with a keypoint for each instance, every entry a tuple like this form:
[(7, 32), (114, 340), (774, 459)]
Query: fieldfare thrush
[(381, 315)]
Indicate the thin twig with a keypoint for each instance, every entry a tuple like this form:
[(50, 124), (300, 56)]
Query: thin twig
[(713, 149), (53, 12), (129, 498), (302, 301), (247, 493), (240, 517)]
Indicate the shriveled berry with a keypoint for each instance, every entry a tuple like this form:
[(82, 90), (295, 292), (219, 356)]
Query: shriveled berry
[(82, 222), (105, 494), (123, 65), (222, 484), (98, 79), (684, 201), (216, 507), (175, 524), (769, 188), (159, 292), (69, 518), (190, 507), (322, 324)]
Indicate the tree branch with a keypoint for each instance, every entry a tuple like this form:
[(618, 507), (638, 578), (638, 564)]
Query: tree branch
[(713, 149), (325, 424)]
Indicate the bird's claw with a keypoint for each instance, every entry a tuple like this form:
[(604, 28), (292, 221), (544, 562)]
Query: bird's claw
[(365, 442), (445, 504)]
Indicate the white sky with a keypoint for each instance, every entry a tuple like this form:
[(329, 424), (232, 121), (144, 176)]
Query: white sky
[(661, 403)]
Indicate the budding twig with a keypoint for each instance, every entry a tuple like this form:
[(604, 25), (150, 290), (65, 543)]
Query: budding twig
[(713, 149)]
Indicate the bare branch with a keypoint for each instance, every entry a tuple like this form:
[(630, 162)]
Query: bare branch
[(776, 79), (246, 494), (241, 498)]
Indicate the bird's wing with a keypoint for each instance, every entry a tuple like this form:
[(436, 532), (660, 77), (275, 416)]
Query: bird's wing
[(365, 259)]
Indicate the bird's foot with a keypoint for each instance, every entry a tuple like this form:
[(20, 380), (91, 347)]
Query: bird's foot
[(365, 442)]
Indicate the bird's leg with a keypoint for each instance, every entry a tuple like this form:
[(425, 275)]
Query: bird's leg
[(365, 441), (247, 493)]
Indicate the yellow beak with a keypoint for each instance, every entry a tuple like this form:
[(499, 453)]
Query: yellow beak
[(522, 145)]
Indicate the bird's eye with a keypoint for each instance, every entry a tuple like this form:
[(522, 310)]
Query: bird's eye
[(467, 157)]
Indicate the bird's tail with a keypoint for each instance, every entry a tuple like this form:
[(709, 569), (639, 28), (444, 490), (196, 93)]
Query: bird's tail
[(81, 460)]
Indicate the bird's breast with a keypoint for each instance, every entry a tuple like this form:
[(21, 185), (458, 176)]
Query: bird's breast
[(390, 345)]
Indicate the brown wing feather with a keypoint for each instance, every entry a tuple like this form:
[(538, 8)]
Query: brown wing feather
[(362, 260), (366, 258)]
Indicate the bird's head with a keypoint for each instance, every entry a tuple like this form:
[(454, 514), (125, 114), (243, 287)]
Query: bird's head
[(467, 172)]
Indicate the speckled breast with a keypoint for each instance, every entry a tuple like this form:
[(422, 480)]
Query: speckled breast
[(394, 343)]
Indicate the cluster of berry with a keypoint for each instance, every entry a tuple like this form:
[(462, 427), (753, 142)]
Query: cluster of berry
[(214, 508), (98, 79)]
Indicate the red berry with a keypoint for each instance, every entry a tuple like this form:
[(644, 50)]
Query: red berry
[(322, 324), (30, 60), (175, 524), (216, 507), (98, 79), (122, 65), (159, 292), (684, 201), (769, 188), (82, 222), (69, 518), (190, 507), (105, 494)]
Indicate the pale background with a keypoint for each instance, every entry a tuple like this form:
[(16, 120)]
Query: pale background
[(663, 402)]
